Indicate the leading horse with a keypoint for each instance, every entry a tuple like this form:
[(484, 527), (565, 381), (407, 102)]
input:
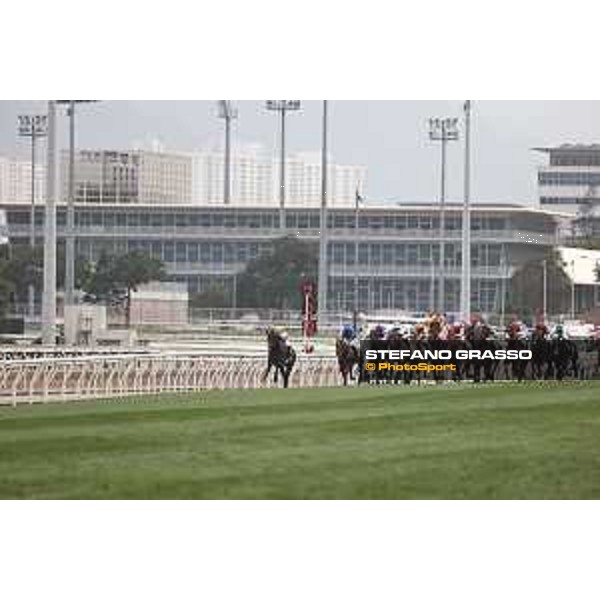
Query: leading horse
[(280, 356)]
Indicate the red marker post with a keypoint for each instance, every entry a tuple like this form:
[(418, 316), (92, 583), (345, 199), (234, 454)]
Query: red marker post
[(309, 316)]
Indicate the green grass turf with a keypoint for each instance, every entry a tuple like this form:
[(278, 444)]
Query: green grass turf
[(517, 441)]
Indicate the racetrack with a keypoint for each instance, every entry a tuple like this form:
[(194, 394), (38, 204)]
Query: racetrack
[(535, 440)]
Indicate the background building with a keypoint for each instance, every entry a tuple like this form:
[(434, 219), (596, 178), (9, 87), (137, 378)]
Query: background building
[(571, 181), (129, 177), (391, 259), (255, 180), (15, 181), (160, 177)]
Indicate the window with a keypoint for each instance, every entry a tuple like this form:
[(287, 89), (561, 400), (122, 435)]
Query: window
[(375, 254), (363, 254), (181, 252), (412, 254), (388, 254)]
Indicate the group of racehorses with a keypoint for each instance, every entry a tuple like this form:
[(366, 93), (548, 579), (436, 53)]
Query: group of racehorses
[(552, 358)]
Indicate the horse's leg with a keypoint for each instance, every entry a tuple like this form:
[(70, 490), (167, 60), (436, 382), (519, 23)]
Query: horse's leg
[(285, 374), (269, 365)]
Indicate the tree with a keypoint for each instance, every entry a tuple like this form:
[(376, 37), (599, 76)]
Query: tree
[(24, 266), (527, 287), (587, 243), (113, 279), (273, 279), (6, 289)]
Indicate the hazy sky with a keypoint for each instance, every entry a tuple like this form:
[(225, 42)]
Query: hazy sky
[(389, 137)]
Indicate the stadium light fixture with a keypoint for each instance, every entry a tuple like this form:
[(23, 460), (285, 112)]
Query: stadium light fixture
[(49, 293), (465, 286), (33, 127), (443, 130), (323, 232), (228, 113), (70, 230), (282, 107)]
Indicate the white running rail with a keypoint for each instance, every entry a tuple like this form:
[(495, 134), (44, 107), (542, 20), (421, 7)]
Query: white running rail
[(80, 378)]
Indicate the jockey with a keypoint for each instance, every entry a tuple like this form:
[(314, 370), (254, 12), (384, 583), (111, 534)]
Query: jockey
[(559, 333), (283, 335), (420, 332), (378, 333), (437, 326), (513, 329), (454, 332), (396, 333), (541, 331), (348, 332), (350, 336)]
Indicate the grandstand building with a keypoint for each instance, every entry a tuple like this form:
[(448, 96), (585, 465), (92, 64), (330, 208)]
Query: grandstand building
[(391, 258)]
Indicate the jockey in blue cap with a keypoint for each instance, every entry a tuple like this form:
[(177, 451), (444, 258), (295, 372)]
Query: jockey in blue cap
[(348, 332)]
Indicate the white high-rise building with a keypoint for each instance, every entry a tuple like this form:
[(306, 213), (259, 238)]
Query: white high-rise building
[(15, 181), (255, 180), (159, 177)]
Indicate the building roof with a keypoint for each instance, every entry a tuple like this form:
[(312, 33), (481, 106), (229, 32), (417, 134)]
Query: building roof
[(369, 206), (580, 265), (570, 148)]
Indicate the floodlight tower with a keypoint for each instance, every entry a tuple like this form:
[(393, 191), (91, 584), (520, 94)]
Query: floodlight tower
[(465, 287), (228, 113), (33, 127), (443, 131), (323, 270), (282, 107), (70, 230), (49, 293)]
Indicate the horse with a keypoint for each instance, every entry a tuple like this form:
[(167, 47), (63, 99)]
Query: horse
[(281, 356), (541, 364), (516, 368), (479, 337), (347, 356)]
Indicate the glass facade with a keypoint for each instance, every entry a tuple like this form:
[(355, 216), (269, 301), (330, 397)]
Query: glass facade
[(391, 261)]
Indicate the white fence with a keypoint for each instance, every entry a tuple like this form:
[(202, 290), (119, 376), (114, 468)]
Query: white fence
[(51, 379)]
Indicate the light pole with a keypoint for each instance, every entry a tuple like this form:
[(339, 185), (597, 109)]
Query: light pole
[(432, 283), (33, 127), (228, 113), (573, 290), (545, 290), (282, 107), (465, 288), (70, 229), (503, 277), (443, 131), (322, 289), (49, 293), (358, 200)]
